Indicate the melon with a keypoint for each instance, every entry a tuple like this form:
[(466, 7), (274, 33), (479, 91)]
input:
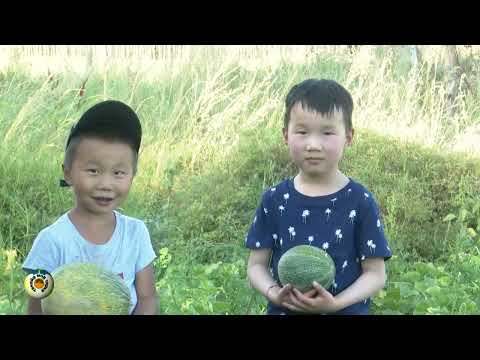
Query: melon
[(86, 289), (303, 264)]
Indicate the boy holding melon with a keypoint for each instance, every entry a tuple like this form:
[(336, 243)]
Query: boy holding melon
[(319, 207), (100, 164)]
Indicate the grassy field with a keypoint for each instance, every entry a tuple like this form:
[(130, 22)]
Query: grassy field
[(212, 119)]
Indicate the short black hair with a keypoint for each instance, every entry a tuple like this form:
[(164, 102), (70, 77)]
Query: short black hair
[(322, 96)]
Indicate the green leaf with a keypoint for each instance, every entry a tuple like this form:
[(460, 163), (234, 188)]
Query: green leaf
[(421, 309), (381, 294), (391, 312), (463, 215), (444, 281), (471, 232), (406, 290), (211, 268), (449, 217), (434, 291), (436, 310)]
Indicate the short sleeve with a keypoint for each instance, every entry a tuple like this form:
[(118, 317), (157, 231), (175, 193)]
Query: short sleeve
[(146, 254), (261, 232), (44, 254), (370, 238)]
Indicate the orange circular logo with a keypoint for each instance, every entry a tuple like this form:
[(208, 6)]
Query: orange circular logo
[(38, 284)]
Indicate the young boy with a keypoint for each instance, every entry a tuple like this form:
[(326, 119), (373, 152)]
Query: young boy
[(100, 163), (320, 207)]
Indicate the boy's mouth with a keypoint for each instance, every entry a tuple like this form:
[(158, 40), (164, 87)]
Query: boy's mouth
[(101, 200)]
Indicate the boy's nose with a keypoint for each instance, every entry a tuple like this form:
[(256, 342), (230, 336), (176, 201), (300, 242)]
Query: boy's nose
[(105, 183), (314, 145)]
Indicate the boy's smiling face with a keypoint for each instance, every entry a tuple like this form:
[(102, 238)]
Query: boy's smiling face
[(101, 175), (316, 141)]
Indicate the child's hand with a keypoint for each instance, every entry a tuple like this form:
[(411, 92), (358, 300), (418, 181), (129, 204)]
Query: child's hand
[(317, 300), (279, 295)]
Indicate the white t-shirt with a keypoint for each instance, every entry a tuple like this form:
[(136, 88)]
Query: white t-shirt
[(128, 251)]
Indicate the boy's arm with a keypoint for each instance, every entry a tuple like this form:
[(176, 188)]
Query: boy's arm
[(257, 272), (146, 292), (34, 306), (371, 281), (261, 279), (368, 284)]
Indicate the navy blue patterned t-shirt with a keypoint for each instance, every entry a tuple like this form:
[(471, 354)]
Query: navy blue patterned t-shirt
[(346, 224)]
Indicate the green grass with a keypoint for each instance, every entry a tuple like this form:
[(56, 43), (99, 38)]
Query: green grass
[(212, 142)]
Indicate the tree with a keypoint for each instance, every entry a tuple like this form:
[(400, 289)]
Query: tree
[(415, 55), (454, 72)]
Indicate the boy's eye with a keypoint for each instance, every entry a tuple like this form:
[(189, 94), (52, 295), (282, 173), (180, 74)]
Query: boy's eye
[(120, 173), (92, 171), (301, 132), (328, 133)]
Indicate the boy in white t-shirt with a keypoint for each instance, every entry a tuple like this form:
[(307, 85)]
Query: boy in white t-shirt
[(100, 163)]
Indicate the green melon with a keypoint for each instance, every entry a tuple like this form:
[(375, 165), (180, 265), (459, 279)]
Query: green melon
[(304, 264), (86, 289)]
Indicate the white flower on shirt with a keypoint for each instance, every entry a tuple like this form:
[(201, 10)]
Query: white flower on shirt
[(338, 234), (286, 196), (275, 237), (291, 230), (334, 285), (352, 215), (281, 241), (378, 223), (246, 238), (310, 240), (333, 201), (265, 211), (281, 208), (362, 258), (257, 244), (273, 189), (255, 219), (371, 245), (366, 195), (325, 246), (304, 215), (349, 191), (328, 212), (345, 264)]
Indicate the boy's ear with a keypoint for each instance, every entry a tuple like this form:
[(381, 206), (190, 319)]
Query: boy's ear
[(285, 135), (66, 175), (350, 134)]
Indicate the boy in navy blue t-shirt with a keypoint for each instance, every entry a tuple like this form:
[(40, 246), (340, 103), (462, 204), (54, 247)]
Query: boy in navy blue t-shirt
[(320, 207)]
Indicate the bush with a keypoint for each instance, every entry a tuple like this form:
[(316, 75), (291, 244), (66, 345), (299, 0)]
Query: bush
[(216, 288)]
